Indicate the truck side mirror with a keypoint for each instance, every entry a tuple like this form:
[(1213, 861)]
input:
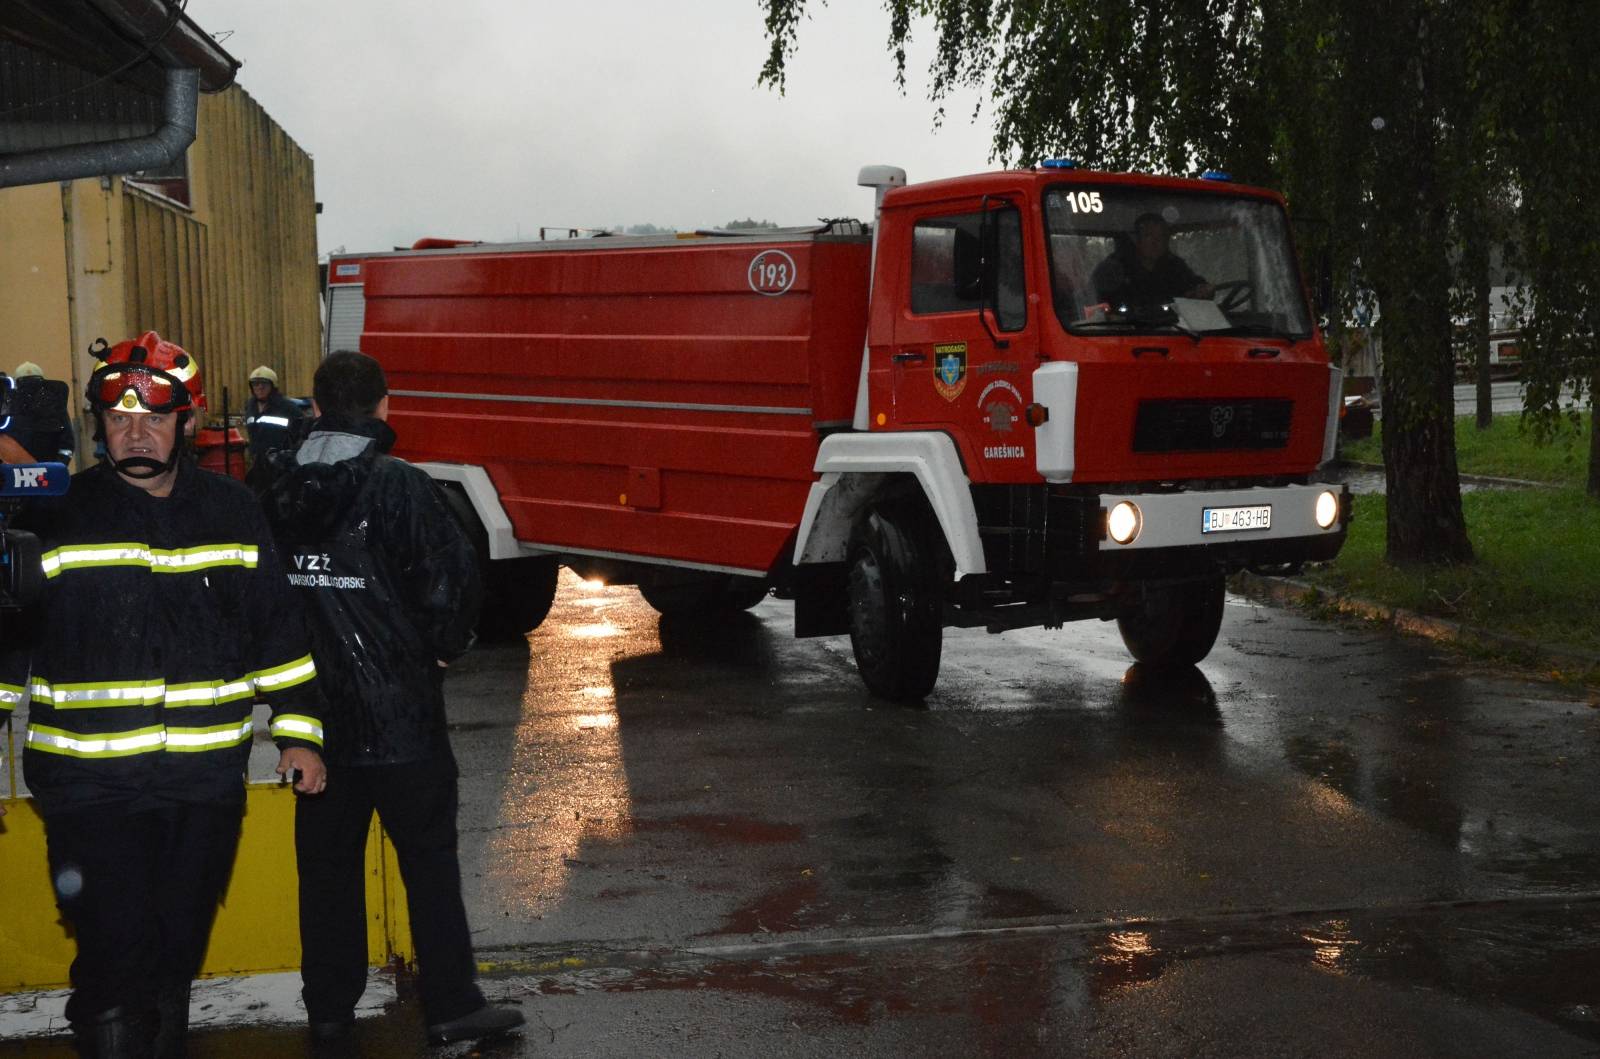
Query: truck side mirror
[(989, 272), (967, 266)]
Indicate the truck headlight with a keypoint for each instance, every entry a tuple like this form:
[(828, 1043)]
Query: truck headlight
[(1123, 521), (1327, 510)]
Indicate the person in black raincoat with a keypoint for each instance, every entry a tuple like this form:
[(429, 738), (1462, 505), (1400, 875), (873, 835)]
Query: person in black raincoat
[(395, 590)]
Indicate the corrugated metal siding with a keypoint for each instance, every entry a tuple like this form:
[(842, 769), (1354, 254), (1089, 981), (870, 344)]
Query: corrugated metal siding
[(260, 204), (165, 289), (347, 315)]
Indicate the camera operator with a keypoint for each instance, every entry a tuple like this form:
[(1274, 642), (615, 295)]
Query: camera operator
[(165, 612)]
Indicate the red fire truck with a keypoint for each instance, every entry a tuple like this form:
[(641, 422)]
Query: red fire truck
[(1016, 399)]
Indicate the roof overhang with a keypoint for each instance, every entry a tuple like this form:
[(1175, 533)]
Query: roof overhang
[(132, 41)]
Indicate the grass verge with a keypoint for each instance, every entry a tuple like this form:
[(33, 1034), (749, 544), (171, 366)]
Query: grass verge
[(1502, 451), (1537, 575)]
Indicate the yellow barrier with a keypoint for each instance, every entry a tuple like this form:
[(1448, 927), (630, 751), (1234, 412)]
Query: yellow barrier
[(257, 928)]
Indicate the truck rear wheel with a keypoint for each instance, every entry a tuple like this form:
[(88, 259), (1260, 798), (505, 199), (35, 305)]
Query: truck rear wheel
[(896, 618), (517, 593), (717, 594), (517, 596), (1176, 625)]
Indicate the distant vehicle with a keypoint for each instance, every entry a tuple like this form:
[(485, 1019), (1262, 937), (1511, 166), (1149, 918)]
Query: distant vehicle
[(1356, 417), (951, 420), (1505, 354)]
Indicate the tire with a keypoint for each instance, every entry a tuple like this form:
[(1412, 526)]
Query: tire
[(896, 614), (1176, 625), (744, 593), (710, 597), (517, 596), (517, 593)]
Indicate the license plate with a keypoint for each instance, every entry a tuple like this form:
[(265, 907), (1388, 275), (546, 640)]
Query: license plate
[(1229, 519)]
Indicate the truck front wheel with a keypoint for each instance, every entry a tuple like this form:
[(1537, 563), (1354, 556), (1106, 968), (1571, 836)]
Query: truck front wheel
[(1176, 625), (896, 618)]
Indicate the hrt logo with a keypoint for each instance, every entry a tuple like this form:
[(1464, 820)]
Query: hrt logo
[(30, 478)]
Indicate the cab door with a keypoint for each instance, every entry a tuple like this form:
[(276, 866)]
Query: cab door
[(966, 336)]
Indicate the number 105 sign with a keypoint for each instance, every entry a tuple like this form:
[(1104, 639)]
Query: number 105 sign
[(771, 272)]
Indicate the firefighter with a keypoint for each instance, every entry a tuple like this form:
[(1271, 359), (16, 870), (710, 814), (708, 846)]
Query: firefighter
[(164, 613), (395, 590), (271, 421)]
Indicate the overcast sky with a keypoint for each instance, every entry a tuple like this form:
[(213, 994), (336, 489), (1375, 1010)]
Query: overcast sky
[(487, 119)]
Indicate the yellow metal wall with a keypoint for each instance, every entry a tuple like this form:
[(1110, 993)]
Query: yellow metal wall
[(33, 273), (257, 930)]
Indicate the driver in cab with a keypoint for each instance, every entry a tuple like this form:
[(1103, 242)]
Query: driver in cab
[(1145, 271)]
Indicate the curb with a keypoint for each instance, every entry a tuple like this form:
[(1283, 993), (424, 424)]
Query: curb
[(1290, 592)]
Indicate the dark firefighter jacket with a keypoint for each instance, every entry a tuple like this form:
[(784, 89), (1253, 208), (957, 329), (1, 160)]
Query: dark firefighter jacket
[(160, 620), (271, 425), (394, 584)]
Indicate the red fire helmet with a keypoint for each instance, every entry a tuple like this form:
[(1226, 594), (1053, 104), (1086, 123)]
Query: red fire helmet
[(146, 374)]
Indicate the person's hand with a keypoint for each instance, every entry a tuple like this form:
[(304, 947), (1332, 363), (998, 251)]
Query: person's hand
[(313, 773)]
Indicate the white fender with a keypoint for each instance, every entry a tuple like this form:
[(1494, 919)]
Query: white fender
[(503, 543), (853, 466)]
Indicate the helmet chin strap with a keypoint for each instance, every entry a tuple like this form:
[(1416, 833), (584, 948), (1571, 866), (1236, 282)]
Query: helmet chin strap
[(142, 466)]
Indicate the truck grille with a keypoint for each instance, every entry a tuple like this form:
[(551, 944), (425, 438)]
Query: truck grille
[(1188, 425)]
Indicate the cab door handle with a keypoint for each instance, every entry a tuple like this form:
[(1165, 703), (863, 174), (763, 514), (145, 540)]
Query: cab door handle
[(910, 356)]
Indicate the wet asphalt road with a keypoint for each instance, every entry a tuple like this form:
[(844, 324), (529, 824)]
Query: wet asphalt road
[(1325, 841)]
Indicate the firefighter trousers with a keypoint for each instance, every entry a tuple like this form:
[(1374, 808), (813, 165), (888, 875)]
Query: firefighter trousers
[(416, 803), (141, 892)]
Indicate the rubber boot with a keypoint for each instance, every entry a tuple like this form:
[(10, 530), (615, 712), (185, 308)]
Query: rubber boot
[(172, 1004), (115, 1034)]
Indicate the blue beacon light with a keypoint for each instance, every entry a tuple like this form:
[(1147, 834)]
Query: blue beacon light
[(1058, 163), (1216, 174)]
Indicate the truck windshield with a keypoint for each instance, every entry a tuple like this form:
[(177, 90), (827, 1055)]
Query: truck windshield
[(1126, 258)]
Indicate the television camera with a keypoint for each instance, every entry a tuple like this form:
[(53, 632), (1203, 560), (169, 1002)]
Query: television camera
[(21, 575)]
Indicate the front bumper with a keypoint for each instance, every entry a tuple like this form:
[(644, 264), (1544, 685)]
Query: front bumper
[(1059, 534)]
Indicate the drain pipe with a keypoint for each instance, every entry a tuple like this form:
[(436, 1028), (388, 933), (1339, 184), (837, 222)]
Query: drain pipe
[(180, 105)]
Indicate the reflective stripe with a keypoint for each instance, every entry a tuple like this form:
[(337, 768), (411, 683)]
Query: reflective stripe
[(10, 695), (99, 693), (297, 726), (114, 744), (159, 560), (209, 692), (285, 676), (270, 421), (221, 735)]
